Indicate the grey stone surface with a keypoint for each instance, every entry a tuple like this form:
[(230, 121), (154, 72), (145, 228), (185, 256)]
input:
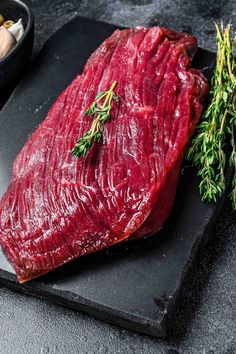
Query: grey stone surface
[(206, 321)]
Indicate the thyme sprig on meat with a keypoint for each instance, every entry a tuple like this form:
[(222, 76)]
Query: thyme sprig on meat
[(208, 148), (100, 115)]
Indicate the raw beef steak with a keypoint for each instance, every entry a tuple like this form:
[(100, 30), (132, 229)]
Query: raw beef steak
[(58, 208)]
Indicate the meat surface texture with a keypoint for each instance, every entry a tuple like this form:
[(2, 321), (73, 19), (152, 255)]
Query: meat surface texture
[(58, 208)]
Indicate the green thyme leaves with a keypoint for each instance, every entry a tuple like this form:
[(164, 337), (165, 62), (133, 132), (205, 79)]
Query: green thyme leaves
[(100, 115), (208, 148)]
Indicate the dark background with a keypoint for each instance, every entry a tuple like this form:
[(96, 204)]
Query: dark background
[(206, 320)]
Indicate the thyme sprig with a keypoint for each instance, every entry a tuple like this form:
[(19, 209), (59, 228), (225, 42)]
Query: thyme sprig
[(208, 148), (100, 115)]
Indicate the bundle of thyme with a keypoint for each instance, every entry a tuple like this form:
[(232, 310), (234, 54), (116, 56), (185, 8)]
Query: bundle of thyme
[(208, 148), (100, 115)]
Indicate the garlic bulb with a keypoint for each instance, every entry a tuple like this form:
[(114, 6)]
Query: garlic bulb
[(17, 30), (7, 41)]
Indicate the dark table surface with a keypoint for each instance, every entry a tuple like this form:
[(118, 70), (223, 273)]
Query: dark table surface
[(206, 320)]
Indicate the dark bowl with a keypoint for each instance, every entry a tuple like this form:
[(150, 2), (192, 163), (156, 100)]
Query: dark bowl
[(16, 61)]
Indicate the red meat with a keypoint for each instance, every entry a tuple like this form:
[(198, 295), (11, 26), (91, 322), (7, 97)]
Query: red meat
[(58, 208)]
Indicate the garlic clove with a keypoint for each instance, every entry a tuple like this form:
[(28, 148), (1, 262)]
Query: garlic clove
[(1, 19), (17, 30), (7, 41), (7, 24)]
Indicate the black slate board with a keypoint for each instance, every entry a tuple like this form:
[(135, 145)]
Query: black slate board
[(136, 285)]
